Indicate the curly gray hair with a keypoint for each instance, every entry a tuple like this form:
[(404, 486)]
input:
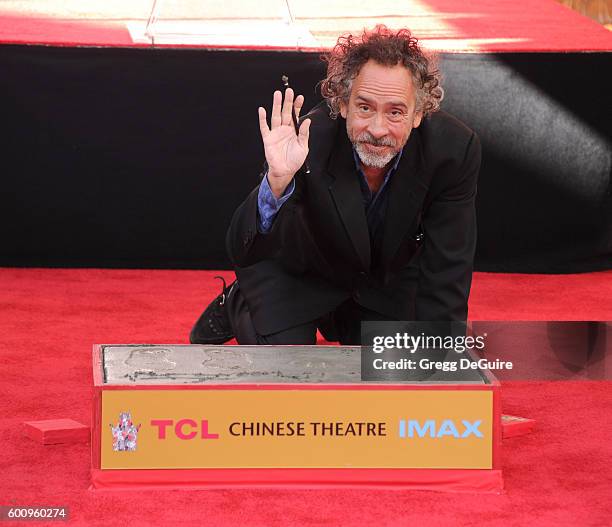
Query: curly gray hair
[(386, 47)]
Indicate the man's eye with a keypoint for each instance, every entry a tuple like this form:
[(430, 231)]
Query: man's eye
[(364, 108)]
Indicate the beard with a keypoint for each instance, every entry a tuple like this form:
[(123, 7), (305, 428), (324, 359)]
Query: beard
[(370, 158)]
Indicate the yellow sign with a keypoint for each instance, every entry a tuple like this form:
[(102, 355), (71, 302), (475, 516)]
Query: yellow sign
[(296, 428)]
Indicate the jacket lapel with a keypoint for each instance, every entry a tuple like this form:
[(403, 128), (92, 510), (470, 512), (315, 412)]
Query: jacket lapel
[(408, 188), (346, 194)]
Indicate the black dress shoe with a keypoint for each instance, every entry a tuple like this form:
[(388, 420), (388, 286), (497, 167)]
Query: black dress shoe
[(213, 326)]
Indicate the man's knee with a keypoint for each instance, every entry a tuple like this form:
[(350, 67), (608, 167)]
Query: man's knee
[(304, 334), (245, 332)]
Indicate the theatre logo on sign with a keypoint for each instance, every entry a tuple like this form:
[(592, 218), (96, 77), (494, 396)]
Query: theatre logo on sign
[(447, 428), (125, 433), (185, 429)]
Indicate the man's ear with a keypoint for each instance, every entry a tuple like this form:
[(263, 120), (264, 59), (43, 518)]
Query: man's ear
[(416, 121), (343, 109)]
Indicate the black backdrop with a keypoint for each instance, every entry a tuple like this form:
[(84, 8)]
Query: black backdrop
[(137, 157)]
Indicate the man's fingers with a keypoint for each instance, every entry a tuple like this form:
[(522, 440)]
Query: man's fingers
[(276, 109), (304, 133), (297, 105), (287, 108), (263, 124), (281, 111)]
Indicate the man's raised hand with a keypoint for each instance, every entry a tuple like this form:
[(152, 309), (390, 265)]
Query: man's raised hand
[(285, 150)]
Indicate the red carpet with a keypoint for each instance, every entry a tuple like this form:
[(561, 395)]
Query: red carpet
[(446, 25), (559, 475), (541, 297)]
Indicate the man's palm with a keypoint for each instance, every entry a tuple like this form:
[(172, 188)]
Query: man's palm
[(285, 150), (285, 153)]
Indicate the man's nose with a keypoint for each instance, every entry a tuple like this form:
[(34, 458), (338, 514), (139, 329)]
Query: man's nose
[(378, 126)]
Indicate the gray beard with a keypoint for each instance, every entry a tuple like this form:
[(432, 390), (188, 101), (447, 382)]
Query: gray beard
[(371, 159)]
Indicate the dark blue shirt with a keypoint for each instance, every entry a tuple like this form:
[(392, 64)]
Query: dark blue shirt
[(374, 204)]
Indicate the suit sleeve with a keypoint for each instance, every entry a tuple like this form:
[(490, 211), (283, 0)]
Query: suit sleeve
[(245, 241), (446, 261)]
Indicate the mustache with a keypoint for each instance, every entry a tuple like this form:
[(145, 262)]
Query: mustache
[(367, 137)]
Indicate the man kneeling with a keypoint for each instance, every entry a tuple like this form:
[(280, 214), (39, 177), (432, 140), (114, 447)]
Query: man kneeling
[(367, 213)]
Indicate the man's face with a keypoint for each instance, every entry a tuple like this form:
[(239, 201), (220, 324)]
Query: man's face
[(381, 112)]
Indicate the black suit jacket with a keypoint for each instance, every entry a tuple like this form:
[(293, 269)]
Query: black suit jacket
[(318, 252)]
